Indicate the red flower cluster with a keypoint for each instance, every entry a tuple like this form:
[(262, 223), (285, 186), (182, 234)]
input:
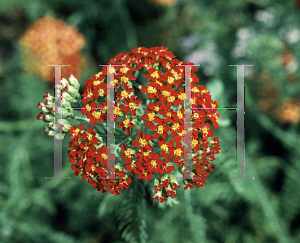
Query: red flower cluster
[(164, 119), (92, 161)]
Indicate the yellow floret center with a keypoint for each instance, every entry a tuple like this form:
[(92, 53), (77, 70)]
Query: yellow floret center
[(96, 82), (166, 93), (111, 70), (117, 111), (90, 94), (182, 133), (132, 106), (124, 94), (96, 114), (151, 90), (160, 129), (124, 69), (196, 115), (164, 147), (179, 114), (143, 142), (154, 74), (128, 153), (204, 130), (125, 79), (178, 152), (171, 99), (170, 80), (194, 143), (175, 126), (88, 107), (195, 90), (182, 96), (153, 163), (126, 123), (151, 116), (101, 92)]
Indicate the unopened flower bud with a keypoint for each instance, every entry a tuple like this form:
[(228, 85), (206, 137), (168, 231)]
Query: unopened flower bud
[(51, 125), (65, 103), (65, 125), (68, 97), (43, 107), (64, 82), (47, 96), (40, 116), (74, 82), (50, 133), (59, 136), (49, 104), (72, 91), (48, 117)]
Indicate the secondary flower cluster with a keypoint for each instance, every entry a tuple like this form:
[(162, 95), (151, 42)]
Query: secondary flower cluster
[(158, 135)]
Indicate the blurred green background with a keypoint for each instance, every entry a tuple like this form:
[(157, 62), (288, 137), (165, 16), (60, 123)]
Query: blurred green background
[(214, 34)]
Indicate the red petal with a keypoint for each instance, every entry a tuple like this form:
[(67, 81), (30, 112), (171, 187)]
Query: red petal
[(81, 127), (147, 137), (140, 134), (155, 136), (135, 143)]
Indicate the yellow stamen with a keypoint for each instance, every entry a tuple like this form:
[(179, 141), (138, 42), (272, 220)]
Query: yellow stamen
[(164, 147), (178, 152), (124, 69), (143, 142), (151, 90), (175, 126), (101, 92), (126, 123), (132, 106), (154, 74), (96, 114), (160, 129), (151, 116), (153, 163)]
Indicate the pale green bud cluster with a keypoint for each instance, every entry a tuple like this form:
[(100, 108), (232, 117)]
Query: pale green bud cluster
[(69, 94)]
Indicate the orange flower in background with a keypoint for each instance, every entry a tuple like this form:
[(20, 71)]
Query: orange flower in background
[(288, 112), (163, 2), (266, 91), (51, 41)]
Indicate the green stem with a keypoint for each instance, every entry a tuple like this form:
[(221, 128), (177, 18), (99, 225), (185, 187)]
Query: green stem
[(80, 102), (80, 118), (127, 140), (136, 85)]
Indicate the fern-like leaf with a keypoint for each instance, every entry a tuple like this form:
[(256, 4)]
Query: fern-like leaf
[(132, 217)]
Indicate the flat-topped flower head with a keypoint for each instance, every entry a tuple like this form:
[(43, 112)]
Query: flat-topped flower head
[(153, 142)]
